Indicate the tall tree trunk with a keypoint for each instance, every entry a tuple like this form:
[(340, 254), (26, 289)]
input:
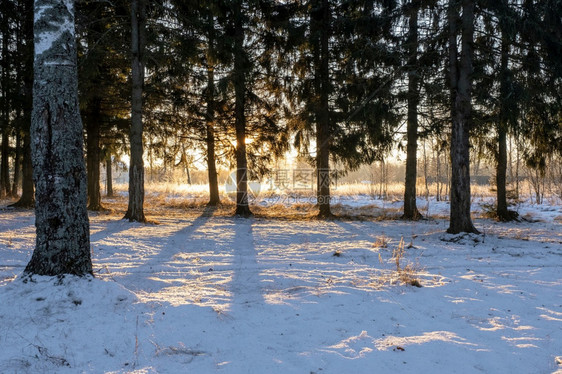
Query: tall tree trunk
[(5, 111), (410, 208), (93, 125), (5, 165), (240, 66), (502, 211), (214, 198), (27, 199), (323, 117), (17, 165), (461, 89), (61, 217), (108, 177), (135, 210), (425, 171), (185, 162)]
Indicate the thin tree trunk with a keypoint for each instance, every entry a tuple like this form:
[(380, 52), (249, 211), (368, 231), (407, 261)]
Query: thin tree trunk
[(188, 173), (5, 164), (517, 165), (5, 112), (135, 210), (61, 218), (323, 118), (502, 211), (93, 120), (108, 177), (185, 162), (439, 184), (410, 208), (150, 162), (214, 198), (27, 199), (425, 176), (17, 164), (447, 168), (240, 66), (501, 168), (461, 88)]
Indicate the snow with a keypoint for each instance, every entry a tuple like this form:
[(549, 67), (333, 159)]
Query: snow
[(46, 38), (203, 292)]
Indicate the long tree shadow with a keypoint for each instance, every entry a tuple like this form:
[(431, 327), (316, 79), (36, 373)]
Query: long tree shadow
[(154, 265), (246, 285)]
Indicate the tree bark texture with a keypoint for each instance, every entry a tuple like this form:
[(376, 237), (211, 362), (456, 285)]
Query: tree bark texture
[(240, 66), (323, 115), (27, 199), (108, 177), (93, 124), (4, 165), (61, 217), (461, 90), (214, 198), (17, 165), (410, 207), (502, 211), (5, 111), (135, 210)]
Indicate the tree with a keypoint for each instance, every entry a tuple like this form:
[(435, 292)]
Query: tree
[(27, 199), (321, 25), (410, 208), (104, 64), (507, 102), (135, 210), (460, 71), (214, 198), (63, 242), (93, 87), (6, 85), (342, 87), (541, 117), (241, 65)]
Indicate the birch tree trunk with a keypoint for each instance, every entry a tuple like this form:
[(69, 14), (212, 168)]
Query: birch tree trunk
[(61, 217)]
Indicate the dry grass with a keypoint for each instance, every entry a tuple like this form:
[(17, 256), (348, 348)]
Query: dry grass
[(381, 242), (175, 198), (407, 274)]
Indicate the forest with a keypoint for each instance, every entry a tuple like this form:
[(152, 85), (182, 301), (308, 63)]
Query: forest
[(289, 171)]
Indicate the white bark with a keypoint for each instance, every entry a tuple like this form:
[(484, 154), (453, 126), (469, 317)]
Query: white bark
[(62, 244)]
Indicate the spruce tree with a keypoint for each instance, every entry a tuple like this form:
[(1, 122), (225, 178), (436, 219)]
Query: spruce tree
[(135, 209), (25, 47), (460, 73)]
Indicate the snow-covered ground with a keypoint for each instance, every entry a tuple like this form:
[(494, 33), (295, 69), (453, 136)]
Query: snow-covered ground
[(202, 292)]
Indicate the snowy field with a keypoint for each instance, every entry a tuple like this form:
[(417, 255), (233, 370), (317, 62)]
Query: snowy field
[(203, 292)]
